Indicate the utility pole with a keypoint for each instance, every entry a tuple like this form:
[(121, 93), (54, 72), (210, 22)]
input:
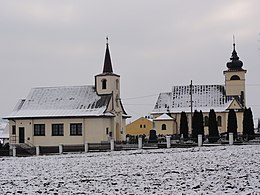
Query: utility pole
[(191, 108)]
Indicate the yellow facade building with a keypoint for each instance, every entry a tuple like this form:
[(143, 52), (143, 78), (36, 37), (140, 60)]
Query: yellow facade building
[(141, 126)]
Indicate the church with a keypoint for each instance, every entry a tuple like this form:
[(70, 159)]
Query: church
[(221, 98), (50, 116)]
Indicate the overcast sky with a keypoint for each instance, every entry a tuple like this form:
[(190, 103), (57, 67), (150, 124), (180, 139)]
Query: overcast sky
[(154, 45)]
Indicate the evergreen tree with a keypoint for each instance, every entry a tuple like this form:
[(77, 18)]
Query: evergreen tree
[(213, 127), (251, 131), (201, 125), (245, 123), (195, 125), (184, 125), (232, 123), (258, 125), (248, 124)]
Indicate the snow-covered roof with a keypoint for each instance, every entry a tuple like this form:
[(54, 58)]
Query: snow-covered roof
[(61, 102), (204, 97), (163, 117)]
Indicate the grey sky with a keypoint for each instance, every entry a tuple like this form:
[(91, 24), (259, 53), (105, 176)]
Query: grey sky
[(154, 45)]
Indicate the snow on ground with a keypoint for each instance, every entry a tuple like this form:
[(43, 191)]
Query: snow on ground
[(205, 170)]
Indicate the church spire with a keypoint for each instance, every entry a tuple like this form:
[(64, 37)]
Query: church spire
[(235, 63), (107, 62)]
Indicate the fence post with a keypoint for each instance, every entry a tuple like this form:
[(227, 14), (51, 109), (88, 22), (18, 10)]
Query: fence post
[(140, 144), (14, 151), (60, 149), (112, 144), (199, 140), (86, 146), (168, 141), (37, 150), (231, 138)]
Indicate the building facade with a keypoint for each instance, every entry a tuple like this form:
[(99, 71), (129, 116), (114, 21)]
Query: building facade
[(221, 98), (141, 126), (50, 116)]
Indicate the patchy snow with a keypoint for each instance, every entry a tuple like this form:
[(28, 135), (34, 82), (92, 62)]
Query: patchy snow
[(61, 101), (163, 117), (204, 97), (205, 170)]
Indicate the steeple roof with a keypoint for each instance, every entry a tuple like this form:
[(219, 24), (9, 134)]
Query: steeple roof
[(107, 62), (235, 63)]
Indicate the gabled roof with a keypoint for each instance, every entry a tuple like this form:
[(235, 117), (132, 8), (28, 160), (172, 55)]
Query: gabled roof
[(163, 117), (204, 97), (61, 102)]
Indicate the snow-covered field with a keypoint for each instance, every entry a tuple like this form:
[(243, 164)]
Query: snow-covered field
[(205, 170)]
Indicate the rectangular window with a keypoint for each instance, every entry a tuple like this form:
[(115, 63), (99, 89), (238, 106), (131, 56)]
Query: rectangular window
[(57, 130), (13, 130), (39, 129), (76, 129), (107, 130)]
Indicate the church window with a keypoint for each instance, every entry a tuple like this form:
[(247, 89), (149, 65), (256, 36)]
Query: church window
[(235, 77), (141, 126), (144, 126), (219, 120), (13, 130), (76, 129), (57, 129), (104, 84), (163, 126), (206, 121), (117, 84), (39, 129), (107, 130)]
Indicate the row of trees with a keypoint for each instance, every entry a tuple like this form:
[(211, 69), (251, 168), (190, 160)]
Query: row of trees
[(198, 125)]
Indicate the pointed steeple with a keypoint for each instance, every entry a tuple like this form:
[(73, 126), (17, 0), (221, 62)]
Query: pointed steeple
[(107, 62)]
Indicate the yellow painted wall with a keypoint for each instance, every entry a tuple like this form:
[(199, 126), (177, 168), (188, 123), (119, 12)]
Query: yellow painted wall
[(93, 131), (139, 127), (176, 124)]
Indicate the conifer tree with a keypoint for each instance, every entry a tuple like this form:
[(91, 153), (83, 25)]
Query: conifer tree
[(213, 127), (251, 125), (184, 125), (195, 125), (248, 124), (245, 123), (201, 125), (232, 123)]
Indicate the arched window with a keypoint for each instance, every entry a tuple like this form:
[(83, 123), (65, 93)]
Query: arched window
[(163, 126), (104, 84), (206, 121), (117, 84), (235, 77), (219, 121)]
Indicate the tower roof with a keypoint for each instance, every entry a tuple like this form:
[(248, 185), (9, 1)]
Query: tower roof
[(107, 62), (235, 63)]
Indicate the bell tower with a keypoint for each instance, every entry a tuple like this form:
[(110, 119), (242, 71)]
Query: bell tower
[(235, 78), (107, 82)]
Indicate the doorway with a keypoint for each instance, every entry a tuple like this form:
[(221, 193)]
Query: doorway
[(21, 134)]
